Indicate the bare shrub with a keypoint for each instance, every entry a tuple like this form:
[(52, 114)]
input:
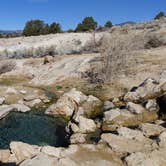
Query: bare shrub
[(117, 52), (7, 66), (155, 40)]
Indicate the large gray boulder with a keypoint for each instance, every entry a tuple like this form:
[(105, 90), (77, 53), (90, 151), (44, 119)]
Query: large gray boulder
[(149, 89), (122, 117), (153, 158), (67, 104), (124, 144), (5, 110), (23, 151), (83, 125), (74, 103), (135, 108), (40, 160), (150, 129)]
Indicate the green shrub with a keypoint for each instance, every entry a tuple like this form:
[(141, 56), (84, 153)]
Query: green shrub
[(87, 24), (34, 28), (108, 24), (38, 27), (159, 15), (55, 28)]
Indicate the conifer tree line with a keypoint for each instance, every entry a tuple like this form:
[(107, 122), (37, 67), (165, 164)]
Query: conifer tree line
[(39, 27)]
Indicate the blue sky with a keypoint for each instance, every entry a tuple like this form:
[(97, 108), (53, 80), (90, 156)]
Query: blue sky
[(14, 13)]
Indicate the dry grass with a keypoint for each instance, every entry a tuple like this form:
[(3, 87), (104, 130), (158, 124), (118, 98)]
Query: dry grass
[(6, 66), (118, 52)]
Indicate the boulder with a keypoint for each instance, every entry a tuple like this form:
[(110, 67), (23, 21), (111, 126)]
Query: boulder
[(33, 103), (4, 156), (149, 89), (125, 144), (135, 108), (48, 59), (40, 160), (23, 151), (108, 105), (153, 158), (67, 104), (92, 107), (21, 107), (121, 117), (162, 140), (78, 138), (152, 105), (30, 97), (2, 100), (5, 110), (23, 92), (52, 151), (91, 155), (83, 125), (11, 90), (151, 129), (131, 134)]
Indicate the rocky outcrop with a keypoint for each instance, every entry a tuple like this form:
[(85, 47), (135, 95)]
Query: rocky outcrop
[(149, 89), (125, 143), (149, 129), (83, 125), (23, 151), (87, 154), (155, 158), (75, 102), (67, 104), (122, 117), (6, 109)]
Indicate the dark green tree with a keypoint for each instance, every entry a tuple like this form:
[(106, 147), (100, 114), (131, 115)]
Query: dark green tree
[(55, 28), (34, 28), (70, 30), (87, 24), (108, 24), (46, 29), (159, 15)]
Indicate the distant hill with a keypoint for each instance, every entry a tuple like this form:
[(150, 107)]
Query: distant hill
[(10, 31), (127, 22)]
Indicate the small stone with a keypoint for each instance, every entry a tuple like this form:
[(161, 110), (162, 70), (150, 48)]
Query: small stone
[(23, 92), (152, 105), (21, 107), (84, 125), (33, 103), (151, 129), (162, 139), (11, 90), (108, 105), (112, 114), (135, 108), (2, 100), (5, 110), (78, 138)]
